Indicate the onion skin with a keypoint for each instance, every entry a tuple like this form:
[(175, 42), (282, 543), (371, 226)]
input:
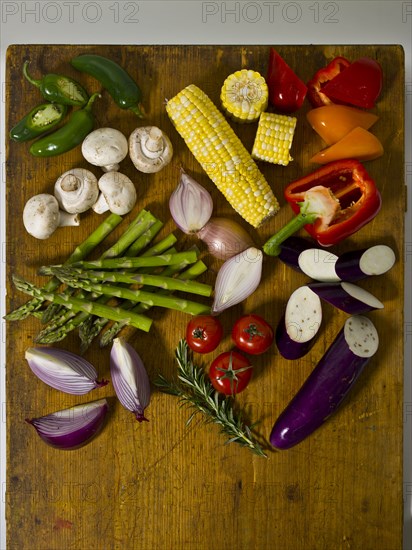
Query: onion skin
[(225, 238), (72, 428)]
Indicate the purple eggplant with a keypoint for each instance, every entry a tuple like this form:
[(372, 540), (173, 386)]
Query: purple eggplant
[(359, 264), (297, 330), (318, 264), (348, 297), (328, 384), (290, 250)]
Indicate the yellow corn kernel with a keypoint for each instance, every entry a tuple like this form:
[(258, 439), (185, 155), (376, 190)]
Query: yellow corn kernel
[(274, 138), (222, 155), (244, 95)]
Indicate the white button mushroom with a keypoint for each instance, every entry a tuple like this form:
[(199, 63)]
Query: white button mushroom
[(76, 190), (105, 147), (150, 149), (41, 216), (118, 194)]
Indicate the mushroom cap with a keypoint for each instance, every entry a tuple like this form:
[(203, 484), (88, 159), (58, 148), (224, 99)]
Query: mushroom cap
[(150, 149), (119, 192), (105, 147), (76, 190), (41, 215)]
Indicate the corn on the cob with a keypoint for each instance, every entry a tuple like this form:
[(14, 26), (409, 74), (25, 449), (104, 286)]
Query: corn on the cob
[(274, 138), (222, 155), (244, 95)]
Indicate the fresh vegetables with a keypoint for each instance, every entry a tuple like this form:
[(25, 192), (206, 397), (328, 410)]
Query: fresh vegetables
[(195, 390), (252, 334), (42, 216), (204, 333), (38, 121), (274, 138), (63, 370), (324, 75), (357, 264), (150, 149), (117, 194), (333, 122), (68, 136), (318, 264), (120, 85), (299, 326), (230, 373), (222, 155), (58, 88), (244, 95), (105, 147), (357, 144), (72, 428), (350, 184), (348, 297), (76, 190), (191, 207), (237, 279), (359, 84), (287, 91), (328, 384), (129, 378)]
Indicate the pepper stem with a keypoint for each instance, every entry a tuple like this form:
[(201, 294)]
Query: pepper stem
[(272, 246), (92, 98), (138, 110), (33, 81)]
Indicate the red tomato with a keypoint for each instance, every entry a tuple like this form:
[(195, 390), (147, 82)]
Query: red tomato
[(230, 372), (252, 334), (203, 333)]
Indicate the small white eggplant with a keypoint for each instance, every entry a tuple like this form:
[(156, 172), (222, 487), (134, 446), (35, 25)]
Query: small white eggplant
[(76, 190)]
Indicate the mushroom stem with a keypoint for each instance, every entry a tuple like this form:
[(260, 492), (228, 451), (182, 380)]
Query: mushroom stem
[(153, 145), (67, 219), (70, 183), (101, 205), (110, 168)]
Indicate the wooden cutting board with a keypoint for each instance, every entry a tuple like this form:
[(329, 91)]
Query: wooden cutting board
[(162, 484)]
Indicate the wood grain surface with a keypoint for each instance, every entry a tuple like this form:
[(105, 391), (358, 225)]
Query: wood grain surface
[(161, 484)]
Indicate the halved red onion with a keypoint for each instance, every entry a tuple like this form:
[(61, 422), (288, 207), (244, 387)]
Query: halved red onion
[(190, 205), (225, 238), (63, 370), (129, 378), (71, 428), (237, 279)]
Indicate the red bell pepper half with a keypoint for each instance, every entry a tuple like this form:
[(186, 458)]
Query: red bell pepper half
[(287, 91), (353, 201), (360, 84), (319, 80)]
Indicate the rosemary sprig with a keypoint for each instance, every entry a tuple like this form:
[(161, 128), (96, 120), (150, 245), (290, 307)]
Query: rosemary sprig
[(196, 391)]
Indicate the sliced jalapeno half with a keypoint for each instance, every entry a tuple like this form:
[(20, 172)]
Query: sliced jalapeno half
[(68, 136), (59, 88), (38, 121), (116, 80)]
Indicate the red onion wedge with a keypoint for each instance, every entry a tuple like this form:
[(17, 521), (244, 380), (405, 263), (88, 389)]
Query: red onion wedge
[(297, 330), (129, 378), (237, 279), (328, 384), (224, 238), (348, 297), (359, 264), (63, 370), (71, 428)]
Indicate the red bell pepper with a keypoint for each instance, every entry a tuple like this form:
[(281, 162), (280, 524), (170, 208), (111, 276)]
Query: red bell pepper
[(360, 84), (332, 203), (321, 78), (287, 91)]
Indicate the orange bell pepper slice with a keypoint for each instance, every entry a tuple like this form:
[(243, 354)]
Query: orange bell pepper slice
[(357, 144), (333, 122)]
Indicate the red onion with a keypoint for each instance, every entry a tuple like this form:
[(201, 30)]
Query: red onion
[(129, 378), (71, 428), (63, 370), (237, 279), (225, 238), (190, 205)]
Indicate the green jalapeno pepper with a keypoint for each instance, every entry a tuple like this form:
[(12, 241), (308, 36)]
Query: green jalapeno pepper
[(38, 121), (59, 88), (120, 85), (68, 136)]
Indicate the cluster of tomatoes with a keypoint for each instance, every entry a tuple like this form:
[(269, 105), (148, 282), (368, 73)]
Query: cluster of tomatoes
[(231, 371)]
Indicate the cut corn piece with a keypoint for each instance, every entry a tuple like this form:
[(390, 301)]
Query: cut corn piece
[(222, 155), (244, 95), (274, 138)]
